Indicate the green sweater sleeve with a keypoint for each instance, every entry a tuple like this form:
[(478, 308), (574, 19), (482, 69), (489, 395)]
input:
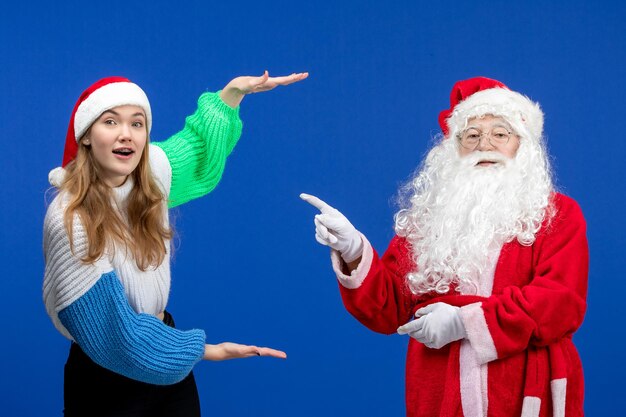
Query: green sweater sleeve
[(197, 154)]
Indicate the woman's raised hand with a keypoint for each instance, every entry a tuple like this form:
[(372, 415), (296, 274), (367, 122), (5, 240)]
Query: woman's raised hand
[(236, 89)]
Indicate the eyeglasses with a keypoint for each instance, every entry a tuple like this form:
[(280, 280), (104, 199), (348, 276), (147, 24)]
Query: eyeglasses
[(471, 137)]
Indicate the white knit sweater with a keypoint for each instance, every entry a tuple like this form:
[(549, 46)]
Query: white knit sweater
[(67, 278)]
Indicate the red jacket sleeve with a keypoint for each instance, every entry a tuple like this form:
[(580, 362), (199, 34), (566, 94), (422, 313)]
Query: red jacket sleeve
[(551, 306), (382, 302)]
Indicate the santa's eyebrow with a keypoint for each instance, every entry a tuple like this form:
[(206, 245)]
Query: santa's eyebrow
[(497, 124), (504, 125)]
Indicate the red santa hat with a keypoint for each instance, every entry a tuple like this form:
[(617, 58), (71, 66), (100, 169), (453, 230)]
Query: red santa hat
[(479, 96), (101, 96)]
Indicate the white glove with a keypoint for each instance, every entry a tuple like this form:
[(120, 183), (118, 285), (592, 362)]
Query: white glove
[(334, 230), (436, 325)]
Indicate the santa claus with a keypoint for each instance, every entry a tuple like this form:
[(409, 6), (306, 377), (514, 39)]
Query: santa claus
[(487, 272)]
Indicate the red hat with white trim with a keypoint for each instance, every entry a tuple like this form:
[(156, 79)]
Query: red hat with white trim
[(480, 96), (101, 96)]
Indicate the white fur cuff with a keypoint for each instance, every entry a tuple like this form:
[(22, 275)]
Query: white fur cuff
[(355, 279), (478, 333)]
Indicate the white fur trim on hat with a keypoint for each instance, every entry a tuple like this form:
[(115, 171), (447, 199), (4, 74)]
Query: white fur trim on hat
[(524, 115), (107, 97)]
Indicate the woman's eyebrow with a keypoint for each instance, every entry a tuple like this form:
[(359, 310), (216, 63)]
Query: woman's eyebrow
[(117, 114)]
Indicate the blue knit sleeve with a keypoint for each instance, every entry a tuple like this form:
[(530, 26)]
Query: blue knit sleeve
[(138, 346)]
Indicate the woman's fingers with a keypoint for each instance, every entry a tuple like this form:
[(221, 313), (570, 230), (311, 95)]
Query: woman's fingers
[(255, 82), (274, 353), (229, 350), (270, 83), (288, 79), (249, 351)]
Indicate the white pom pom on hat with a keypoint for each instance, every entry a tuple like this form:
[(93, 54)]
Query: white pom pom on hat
[(480, 96), (56, 176), (101, 96)]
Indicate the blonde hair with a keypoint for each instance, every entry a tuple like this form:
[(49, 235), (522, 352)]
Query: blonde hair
[(91, 199)]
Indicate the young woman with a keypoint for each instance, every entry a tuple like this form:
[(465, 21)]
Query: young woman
[(107, 246)]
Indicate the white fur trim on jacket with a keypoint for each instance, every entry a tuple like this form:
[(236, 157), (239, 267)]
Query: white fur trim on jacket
[(531, 407), (478, 333), (355, 279), (474, 398), (559, 392)]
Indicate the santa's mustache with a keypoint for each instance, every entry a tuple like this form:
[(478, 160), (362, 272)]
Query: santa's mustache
[(477, 157)]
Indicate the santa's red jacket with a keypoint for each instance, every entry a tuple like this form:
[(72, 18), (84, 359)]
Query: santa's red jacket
[(518, 358)]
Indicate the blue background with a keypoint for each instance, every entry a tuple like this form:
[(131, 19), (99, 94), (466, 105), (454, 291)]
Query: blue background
[(247, 267)]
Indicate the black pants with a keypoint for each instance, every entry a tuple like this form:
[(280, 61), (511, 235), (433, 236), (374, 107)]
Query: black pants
[(91, 390)]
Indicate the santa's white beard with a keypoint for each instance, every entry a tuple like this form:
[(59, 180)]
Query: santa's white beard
[(461, 214)]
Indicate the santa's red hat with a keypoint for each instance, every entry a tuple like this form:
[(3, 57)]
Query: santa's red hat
[(479, 96), (101, 96)]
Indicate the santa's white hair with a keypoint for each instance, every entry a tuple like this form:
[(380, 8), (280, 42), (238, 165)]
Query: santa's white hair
[(456, 215)]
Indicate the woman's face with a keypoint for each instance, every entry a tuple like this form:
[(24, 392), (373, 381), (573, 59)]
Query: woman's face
[(117, 139)]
